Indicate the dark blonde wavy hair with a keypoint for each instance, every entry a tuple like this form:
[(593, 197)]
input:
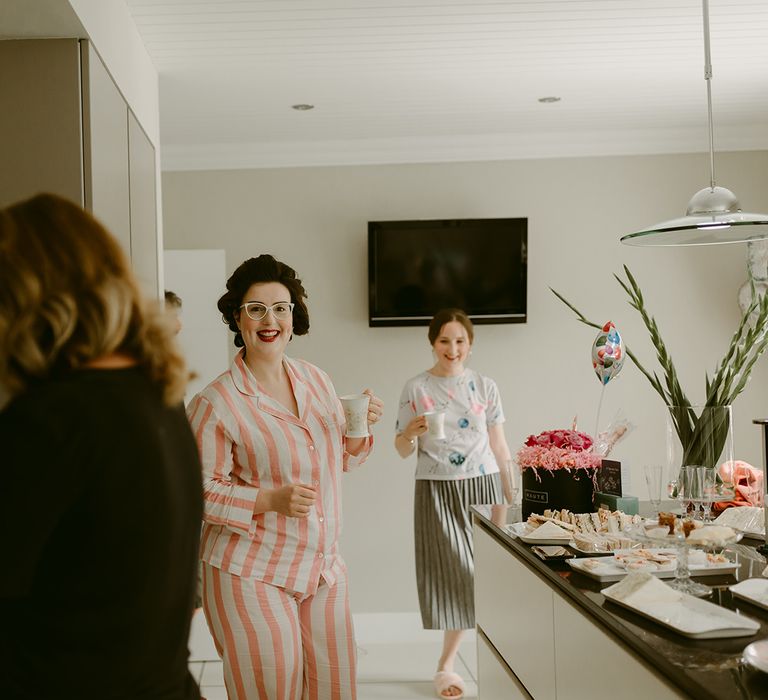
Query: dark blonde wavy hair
[(67, 296)]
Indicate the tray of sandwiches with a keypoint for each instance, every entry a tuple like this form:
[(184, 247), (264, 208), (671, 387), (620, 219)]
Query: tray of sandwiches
[(545, 533), (646, 595), (601, 532), (661, 563)]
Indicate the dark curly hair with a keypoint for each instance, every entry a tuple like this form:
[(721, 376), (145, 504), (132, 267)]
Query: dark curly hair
[(446, 316), (257, 271)]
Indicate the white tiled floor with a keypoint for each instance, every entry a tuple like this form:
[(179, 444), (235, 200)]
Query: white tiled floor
[(396, 659)]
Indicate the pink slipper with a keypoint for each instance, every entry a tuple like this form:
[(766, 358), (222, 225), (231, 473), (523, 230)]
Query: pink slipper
[(448, 679)]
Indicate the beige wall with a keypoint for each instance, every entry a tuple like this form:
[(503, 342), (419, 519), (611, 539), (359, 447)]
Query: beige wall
[(315, 219)]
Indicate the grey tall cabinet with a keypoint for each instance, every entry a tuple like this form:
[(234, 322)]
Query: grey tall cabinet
[(66, 128)]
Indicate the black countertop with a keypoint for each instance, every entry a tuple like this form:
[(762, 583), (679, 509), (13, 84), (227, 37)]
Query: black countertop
[(711, 668)]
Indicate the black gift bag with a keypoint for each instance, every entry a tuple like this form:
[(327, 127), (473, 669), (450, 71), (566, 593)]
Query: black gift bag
[(557, 489)]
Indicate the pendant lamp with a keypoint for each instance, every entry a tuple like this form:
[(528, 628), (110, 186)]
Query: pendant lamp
[(714, 214)]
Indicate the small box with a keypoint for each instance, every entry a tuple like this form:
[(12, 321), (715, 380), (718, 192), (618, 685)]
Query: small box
[(609, 477), (626, 504)]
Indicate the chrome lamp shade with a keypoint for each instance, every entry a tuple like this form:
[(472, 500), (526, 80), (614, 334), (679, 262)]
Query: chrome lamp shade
[(714, 214), (713, 217)]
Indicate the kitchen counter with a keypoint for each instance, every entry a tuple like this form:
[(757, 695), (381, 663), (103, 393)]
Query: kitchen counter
[(680, 667)]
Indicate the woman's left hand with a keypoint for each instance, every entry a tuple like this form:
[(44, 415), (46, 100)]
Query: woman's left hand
[(375, 408)]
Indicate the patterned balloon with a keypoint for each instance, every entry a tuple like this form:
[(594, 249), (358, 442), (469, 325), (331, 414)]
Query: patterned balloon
[(607, 353)]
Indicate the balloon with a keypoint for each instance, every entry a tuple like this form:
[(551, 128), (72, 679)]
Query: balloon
[(607, 353)]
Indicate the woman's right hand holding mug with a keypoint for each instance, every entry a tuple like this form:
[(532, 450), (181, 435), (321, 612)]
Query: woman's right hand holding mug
[(417, 426)]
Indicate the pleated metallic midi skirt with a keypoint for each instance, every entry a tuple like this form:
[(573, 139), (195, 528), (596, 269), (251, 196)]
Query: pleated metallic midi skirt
[(445, 563)]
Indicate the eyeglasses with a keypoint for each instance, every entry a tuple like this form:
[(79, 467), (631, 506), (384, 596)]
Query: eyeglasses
[(256, 310)]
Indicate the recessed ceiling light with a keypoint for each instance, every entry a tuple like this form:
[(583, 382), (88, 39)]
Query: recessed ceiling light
[(549, 99), (302, 107)]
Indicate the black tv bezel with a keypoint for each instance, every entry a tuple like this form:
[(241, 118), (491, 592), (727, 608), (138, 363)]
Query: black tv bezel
[(476, 318)]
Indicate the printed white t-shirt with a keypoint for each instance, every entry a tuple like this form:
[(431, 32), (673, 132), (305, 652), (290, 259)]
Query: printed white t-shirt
[(472, 404)]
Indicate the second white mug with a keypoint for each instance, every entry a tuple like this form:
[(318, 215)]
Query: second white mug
[(436, 424)]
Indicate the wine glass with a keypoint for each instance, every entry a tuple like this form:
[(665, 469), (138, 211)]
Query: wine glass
[(694, 487), (708, 490), (681, 492), (513, 476), (654, 474)]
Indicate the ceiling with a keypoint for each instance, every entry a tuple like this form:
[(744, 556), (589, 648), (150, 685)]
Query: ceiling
[(437, 80)]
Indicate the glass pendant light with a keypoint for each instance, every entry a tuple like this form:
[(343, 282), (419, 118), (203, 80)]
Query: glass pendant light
[(714, 214)]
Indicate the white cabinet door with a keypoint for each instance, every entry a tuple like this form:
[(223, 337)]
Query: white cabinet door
[(105, 148), (514, 609), (40, 127), (497, 682), (143, 208), (589, 662)]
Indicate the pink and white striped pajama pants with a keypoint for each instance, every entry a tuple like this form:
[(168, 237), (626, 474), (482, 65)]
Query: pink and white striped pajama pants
[(280, 645)]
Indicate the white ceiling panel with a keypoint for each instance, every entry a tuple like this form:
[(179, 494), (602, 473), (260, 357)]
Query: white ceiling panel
[(432, 80)]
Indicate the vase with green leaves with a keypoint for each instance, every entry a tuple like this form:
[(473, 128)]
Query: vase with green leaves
[(704, 435), (703, 431), (698, 436)]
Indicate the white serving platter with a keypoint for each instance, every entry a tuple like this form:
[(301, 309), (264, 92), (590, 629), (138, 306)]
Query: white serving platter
[(745, 519), (753, 535), (680, 612), (608, 569), (523, 531), (593, 553), (753, 590)]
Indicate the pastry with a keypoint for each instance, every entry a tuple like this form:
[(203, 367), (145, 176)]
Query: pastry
[(668, 520), (688, 527)]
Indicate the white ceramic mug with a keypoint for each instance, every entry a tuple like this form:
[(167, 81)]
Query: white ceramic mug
[(436, 424), (356, 414)]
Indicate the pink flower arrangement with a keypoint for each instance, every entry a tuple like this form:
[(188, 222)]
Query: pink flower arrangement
[(567, 439), (558, 449)]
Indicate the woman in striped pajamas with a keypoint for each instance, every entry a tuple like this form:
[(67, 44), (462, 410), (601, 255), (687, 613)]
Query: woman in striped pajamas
[(271, 437), (470, 465)]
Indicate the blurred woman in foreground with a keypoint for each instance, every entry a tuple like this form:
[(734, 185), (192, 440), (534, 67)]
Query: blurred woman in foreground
[(102, 498)]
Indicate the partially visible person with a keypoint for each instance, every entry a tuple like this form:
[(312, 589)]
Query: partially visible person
[(173, 307), (470, 465), (102, 495), (271, 435)]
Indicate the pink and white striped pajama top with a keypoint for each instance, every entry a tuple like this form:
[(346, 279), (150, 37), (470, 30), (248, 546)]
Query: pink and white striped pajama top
[(249, 441)]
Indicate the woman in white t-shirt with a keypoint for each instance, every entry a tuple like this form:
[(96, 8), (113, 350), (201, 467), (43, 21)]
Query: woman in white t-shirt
[(470, 465)]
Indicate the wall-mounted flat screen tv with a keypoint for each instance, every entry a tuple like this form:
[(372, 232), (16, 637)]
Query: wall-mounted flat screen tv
[(416, 268)]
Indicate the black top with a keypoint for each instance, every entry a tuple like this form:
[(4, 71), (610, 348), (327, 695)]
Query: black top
[(100, 515)]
